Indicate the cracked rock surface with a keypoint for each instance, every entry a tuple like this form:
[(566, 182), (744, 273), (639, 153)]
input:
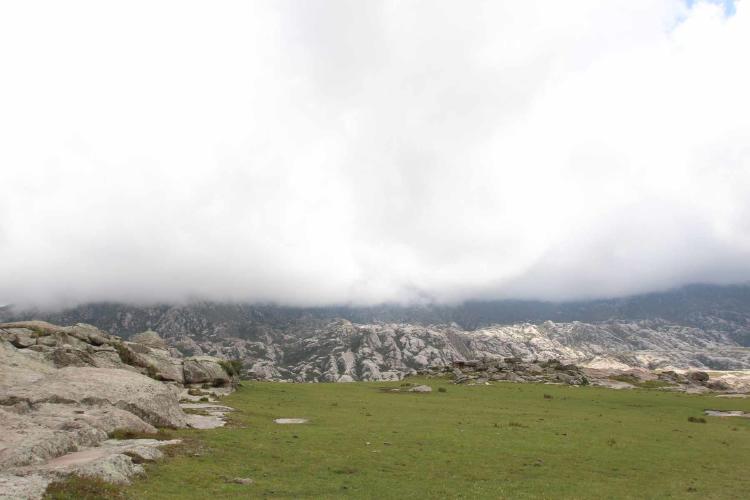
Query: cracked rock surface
[(64, 390)]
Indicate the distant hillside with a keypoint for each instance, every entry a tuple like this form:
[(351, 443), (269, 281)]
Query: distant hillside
[(703, 327), (726, 308)]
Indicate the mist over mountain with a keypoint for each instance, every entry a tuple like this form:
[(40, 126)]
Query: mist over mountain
[(690, 306), (366, 153)]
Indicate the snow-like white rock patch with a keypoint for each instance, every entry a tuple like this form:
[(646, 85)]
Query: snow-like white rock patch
[(291, 420)]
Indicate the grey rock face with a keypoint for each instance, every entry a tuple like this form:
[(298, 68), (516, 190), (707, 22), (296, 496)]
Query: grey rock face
[(703, 332), (149, 338), (112, 460), (146, 398), (421, 388), (204, 370), (341, 351), (64, 389)]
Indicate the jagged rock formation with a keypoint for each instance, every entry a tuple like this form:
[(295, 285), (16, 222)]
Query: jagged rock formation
[(696, 327), (553, 371), (64, 390), (341, 351), (333, 350), (516, 370)]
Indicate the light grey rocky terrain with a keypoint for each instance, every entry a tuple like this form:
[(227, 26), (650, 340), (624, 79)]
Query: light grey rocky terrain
[(342, 351), (65, 390), (697, 327)]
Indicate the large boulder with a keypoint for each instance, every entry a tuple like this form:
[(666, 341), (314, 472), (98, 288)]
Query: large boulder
[(698, 377), (152, 401), (205, 370), (151, 339), (50, 430), (77, 345), (156, 363), (64, 390)]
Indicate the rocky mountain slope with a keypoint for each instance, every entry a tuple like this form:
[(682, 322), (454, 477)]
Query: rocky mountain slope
[(699, 327), (344, 351)]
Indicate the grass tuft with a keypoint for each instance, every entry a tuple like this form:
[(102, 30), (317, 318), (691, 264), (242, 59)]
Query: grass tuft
[(83, 488), (161, 434)]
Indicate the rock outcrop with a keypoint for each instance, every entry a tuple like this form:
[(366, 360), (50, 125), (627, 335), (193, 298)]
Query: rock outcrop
[(205, 370), (517, 370), (341, 351), (65, 390), (693, 328)]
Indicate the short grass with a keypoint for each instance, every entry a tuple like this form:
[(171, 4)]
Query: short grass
[(500, 441)]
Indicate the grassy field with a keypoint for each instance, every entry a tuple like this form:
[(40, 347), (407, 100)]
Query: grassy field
[(500, 441)]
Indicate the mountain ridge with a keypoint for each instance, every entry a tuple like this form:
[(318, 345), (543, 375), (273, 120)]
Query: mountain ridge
[(696, 327)]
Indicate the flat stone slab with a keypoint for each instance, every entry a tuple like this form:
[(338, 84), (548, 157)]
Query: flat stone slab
[(613, 384), (213, 419), (144, 448), (732, 396), (720, 413), (31, 486), (206, 406), (291, 420), (205, 421)]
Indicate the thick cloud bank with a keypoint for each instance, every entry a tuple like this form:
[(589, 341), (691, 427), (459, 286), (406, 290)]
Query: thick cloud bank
[(338, 151)]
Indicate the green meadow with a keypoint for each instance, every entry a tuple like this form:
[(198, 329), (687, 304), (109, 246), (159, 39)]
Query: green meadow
[(499, 441)]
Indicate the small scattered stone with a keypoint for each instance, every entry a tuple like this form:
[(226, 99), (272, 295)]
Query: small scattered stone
[(291, 420), (241, 480), (421, 388)]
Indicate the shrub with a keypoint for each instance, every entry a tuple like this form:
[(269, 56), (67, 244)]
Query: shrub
[(83, 488), (697, 420), (151, 372), (37, 331), (548, 396), (442, 389), (161, 434), (233, 367)]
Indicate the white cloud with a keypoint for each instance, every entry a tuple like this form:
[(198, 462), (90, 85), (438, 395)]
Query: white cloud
[(319, 152)]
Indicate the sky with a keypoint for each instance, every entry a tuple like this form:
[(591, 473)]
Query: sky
[(338, 152)]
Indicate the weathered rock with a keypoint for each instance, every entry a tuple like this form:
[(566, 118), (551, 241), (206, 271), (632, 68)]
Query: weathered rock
[(158, 364), (729, 413), (421, 388), (212, 416), (63, 390), (151, 339), (286, 421), (340, 350), (150, 400), (204, 370), (241, 480), (698, 377), (35, 435), (718, 385), (30, 486)]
